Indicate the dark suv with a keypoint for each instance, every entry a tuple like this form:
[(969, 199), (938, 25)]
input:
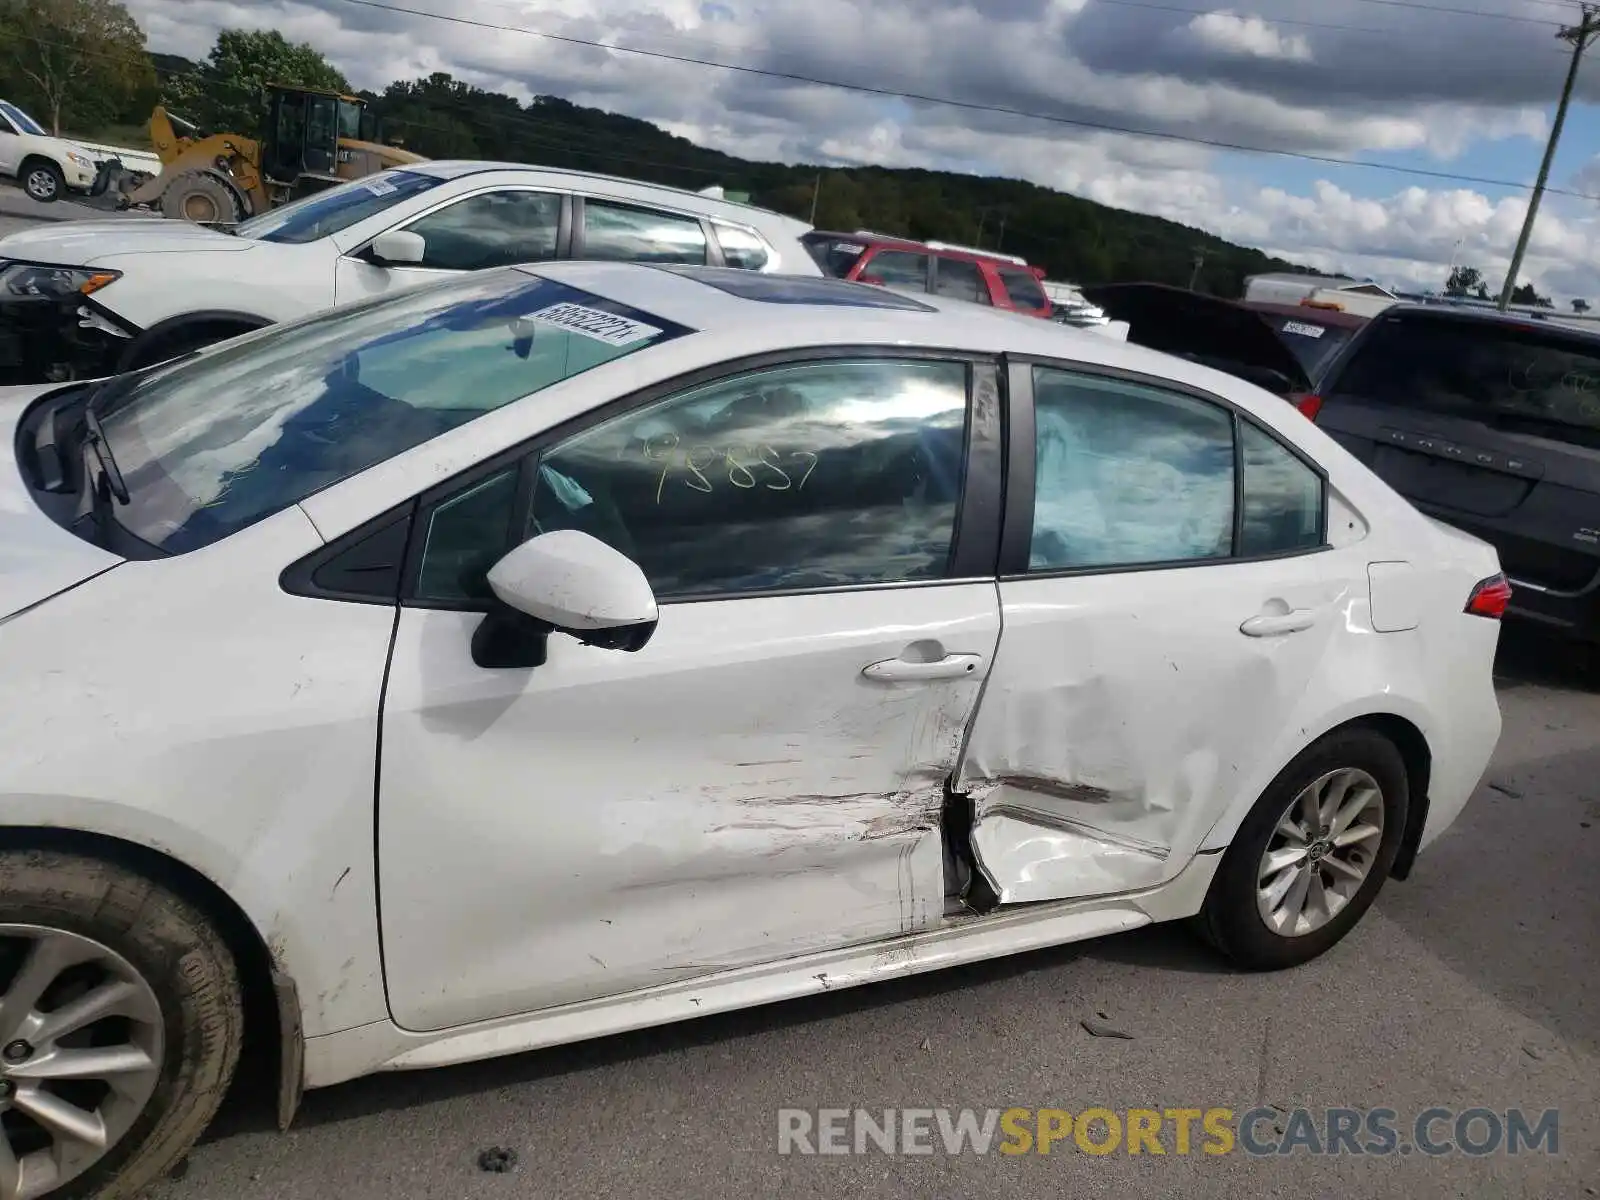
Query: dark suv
[(1492, 424), (959, 272)]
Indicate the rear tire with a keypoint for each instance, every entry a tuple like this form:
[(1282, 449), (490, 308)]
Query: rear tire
[(72, 928), (200, 197), (1258, 913)]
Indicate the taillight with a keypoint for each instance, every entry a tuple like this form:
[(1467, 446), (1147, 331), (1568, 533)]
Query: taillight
[(1490, 598), (1308, 405)]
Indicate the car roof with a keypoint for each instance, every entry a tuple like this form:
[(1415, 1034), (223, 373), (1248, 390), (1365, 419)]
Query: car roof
[(1491, 316), (1310, 313), (942, 249), (459, 168), (725, 299)]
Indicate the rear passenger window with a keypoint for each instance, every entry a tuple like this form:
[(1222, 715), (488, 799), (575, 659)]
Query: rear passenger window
[(741, 248), (1023, 288), (961, 281), (1282, 498), (897, 268), (620, 233), (1127, 474)]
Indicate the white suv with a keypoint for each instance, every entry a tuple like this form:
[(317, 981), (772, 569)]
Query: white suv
[(90, 298)]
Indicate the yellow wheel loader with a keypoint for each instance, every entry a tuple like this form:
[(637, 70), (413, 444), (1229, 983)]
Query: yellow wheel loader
[(313, 140)]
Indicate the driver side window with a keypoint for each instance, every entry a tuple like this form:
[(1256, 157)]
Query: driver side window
[(813, 475), (495, 229)]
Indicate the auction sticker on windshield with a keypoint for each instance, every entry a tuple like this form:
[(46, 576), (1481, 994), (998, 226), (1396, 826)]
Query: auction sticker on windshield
[(595, 323), (380, 186)]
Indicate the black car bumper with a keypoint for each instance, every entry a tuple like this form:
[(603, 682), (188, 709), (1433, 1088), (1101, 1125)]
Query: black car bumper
[(51, 341), (1573, 614)]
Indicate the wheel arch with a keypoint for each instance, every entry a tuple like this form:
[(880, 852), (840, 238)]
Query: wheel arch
[(235, 321), (1415, 750), (270, 998)]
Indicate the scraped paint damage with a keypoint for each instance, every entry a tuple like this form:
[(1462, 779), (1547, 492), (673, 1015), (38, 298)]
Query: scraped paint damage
[(1114, 729)]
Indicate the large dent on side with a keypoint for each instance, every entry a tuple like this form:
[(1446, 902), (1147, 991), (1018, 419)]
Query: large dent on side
[(1118, 726)]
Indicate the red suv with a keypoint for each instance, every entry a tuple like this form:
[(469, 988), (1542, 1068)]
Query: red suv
[(959, 272)]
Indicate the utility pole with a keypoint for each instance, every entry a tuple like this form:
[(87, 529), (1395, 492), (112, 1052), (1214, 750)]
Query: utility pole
[(816, 194), (1580, 35)]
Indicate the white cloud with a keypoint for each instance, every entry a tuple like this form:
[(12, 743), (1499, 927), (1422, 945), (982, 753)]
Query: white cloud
[(1338, 78), (1229, 33)]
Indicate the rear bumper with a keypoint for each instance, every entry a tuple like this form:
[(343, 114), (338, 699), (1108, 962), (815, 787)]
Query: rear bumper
[(43, 341)]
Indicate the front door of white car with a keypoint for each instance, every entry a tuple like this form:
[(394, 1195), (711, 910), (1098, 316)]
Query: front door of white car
[(486, 229), (1167, 602), (767, 776)]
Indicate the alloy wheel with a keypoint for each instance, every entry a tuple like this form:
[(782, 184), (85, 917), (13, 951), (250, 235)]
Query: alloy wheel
[(1321, 852), (81, 1044), (40, 184)]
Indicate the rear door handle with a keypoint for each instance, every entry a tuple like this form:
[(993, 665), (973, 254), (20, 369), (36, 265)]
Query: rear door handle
[(1278, 624), (899, 670)]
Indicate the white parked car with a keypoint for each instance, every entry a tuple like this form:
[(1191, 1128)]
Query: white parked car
[(87, 299), (655, 641), (44, 166)]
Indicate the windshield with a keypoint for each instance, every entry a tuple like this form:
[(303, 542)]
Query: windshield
[(1503, 376), (350, 120), (22, 120), (326, 213), (212, 444)]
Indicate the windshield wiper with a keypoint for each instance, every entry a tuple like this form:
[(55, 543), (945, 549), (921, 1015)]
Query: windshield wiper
[(95, 439)]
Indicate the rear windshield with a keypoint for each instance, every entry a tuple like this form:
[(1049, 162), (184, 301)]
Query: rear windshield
[(1510, 378), (835, 255), (1313, 344)]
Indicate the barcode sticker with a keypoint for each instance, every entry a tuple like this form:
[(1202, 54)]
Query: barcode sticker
[(1310, 331), (593, 323)]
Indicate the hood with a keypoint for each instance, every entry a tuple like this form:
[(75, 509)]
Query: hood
[(38, 558), (1204, 329), (83, 243)]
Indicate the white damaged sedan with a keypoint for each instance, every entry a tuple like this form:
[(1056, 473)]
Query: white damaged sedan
[(551, 652)]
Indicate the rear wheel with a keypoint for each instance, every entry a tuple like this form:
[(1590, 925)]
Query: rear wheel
[(1310, 858), (120, 1027), (202, 198)]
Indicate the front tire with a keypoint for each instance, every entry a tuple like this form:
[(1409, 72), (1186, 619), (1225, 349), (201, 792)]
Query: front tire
[(1311, 856), (120, 1027), (43, 181)]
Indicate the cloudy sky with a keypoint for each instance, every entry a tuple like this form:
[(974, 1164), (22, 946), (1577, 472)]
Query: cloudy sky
[(1459, 87)]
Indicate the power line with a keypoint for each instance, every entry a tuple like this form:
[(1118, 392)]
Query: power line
[(968, 105)]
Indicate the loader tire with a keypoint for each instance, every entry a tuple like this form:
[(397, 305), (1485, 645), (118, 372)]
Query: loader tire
[(202, 198)]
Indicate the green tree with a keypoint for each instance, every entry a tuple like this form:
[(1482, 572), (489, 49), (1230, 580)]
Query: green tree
[(75, 61), (228, 93), (1463, 281), (1524, 293)]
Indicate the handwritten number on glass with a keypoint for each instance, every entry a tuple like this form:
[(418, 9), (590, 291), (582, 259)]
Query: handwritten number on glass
[(737, 464)]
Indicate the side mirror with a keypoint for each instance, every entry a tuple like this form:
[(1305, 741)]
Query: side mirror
[(399, 246), (566, 582)]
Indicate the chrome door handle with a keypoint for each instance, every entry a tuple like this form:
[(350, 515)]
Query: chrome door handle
[(1278, 624), (899, 670)]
